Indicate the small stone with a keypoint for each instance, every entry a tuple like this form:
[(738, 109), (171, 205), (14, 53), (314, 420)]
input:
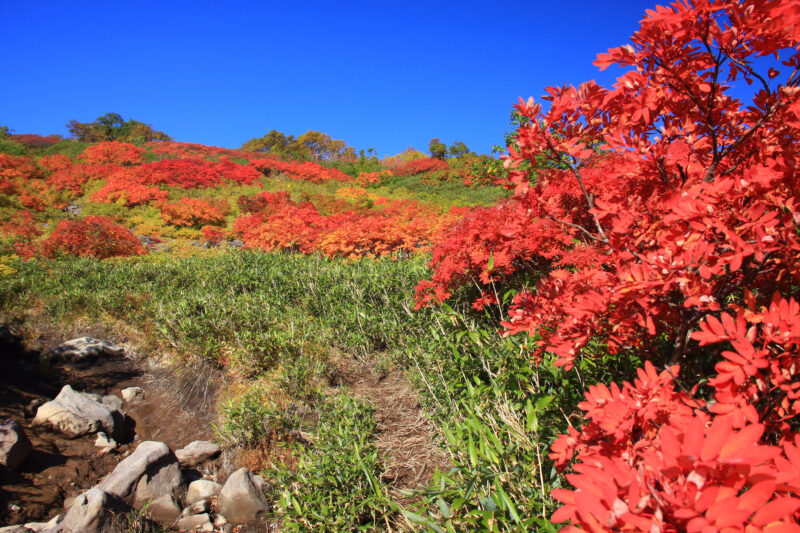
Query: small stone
[(202, 489), (102, 441), (203, 506), (14, 444), (220, 521), (132, 394), (200, 522), (197, 452)]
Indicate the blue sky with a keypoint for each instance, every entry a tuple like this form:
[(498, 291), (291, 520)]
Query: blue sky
[(376, 74)]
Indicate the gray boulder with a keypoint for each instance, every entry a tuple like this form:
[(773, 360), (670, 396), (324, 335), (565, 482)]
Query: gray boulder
[(202, 489), (92, 512), (14, 444), (74, 414), (197, 452), (147, 478), (84, 349), (242, 499)]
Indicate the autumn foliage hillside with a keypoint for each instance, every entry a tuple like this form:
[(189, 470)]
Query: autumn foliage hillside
[(171, 195)]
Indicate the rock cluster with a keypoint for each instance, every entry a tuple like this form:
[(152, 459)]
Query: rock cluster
[(160, 484)]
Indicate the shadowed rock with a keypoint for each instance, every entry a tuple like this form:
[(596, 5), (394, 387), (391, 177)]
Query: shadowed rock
[(146, 477), (14, 444)]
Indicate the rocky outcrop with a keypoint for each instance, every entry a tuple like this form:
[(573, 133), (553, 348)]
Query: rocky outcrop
[(150, 477), (242, 499), (74, 414), (84, 349), (14, 444), (197, 452)]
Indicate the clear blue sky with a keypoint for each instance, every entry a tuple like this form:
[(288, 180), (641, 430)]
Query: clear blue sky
[(376, 74)]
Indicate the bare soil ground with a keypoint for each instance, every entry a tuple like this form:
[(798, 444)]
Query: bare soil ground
[(406, 437), (175, 411)]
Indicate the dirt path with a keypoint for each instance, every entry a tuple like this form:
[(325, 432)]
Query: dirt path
[(406, 439), (175, 411)]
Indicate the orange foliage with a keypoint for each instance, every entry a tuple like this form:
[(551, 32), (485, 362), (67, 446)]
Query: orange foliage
[(195, 211), (418, 166), (112, 152), (373, 178), (179, 150), (281, 224), (55, 162), (74, 177), (306, 170)]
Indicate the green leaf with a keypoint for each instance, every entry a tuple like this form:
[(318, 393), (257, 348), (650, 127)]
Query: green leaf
[(443, 508)]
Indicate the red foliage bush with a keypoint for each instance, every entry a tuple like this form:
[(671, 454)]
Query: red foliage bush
[(212, 234), (21, 225), (112, 153), (74, 177), (306, 170), (689, 221), (55, 162), (192, 173), (93, 236), (140, 184), (280, 224), (34, 140), (17, 167), (418, 166), (179, 150), (261, 201), (195, 211), (126, 193), (373, 178)]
